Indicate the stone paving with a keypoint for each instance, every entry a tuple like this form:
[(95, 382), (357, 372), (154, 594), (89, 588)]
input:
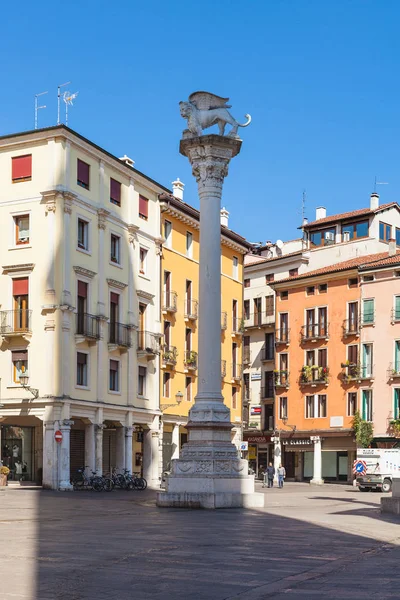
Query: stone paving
[(327, 542)]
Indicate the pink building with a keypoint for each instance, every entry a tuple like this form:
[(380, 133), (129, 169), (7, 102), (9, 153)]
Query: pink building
[(379, 352)]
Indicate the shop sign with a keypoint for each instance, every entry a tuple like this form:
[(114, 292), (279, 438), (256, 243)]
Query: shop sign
[(58, 436), (252, 453), (255, 410), (244, 446), (261, 439), (305, 442), (256, 376)]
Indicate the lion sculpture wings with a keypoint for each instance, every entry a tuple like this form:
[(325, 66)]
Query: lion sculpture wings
[(204, 110)]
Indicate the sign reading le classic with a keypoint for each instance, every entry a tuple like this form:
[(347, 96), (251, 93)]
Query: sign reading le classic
[(305, 442)]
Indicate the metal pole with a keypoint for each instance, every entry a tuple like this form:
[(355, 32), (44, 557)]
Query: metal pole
[(59, 99), (36, 112), (38, 107)]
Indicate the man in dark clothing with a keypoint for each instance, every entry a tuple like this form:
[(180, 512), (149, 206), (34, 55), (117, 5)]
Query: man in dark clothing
[(270, 475)]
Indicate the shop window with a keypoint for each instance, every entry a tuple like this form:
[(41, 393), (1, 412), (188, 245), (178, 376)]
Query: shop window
[(82, 369), (114, 376), (20, 363), (17, 452), (21, 223)]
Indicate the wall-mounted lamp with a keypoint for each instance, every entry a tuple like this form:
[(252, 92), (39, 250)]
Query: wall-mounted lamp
[(23, 379)]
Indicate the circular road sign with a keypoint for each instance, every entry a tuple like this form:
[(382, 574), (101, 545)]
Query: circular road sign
[(58, 436)]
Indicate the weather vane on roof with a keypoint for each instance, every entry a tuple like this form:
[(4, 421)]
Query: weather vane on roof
[(68, 99)]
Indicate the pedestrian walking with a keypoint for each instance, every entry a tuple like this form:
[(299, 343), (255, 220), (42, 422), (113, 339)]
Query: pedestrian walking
[(269, 475), (281, 475)]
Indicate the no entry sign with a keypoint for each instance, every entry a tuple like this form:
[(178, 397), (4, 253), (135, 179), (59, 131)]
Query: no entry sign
[(58, 436)]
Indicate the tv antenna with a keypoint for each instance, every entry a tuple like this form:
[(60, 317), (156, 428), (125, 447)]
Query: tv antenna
[(379, 183), (38, 107), (68, 99), (59, 99)]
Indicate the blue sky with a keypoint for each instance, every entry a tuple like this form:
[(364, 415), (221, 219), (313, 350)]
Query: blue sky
[(319, 77)]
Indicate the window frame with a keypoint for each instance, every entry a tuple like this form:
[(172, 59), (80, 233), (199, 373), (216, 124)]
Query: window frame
[(283, 407), (234, 397), (363, 321), (189, 244), (24, 367), (117, 244), (321, 405), (115, 201), (80, 182), (16, 219), (188, 388), (143, 260), (387, 232), (167, 236), (246, 282), (118, 377), (142, 377), (354, 224), (142, 214), (85, 247), (310, 404), (235, 267), (83, 385), (166, 390), (25, 177), (367, 407), (348, 412)]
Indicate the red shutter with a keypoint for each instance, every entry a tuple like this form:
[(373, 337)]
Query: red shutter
[(21, 167), (115, 191), (21, 287), (113, 365), (114, 298), (82, 289), (19, 355), (143, 207), (83, 172)]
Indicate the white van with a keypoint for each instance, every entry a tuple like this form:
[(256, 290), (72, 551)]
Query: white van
[(382, 466)]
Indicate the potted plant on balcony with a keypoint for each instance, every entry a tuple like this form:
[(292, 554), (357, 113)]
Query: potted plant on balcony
[(395, 426), (170, 355), (191, 359), (4, 472), (306, 374), (323, 373)]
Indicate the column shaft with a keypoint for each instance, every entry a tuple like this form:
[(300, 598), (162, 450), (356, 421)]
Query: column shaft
[(317, 475), (175, 441)]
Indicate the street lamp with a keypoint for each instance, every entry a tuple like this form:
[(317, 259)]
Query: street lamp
[(178, 400), (23, 379)]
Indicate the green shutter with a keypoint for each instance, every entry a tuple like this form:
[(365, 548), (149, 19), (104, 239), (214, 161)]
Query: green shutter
[(364, 405), (397, 308), (396, 407), (397, 356), (368, 311)]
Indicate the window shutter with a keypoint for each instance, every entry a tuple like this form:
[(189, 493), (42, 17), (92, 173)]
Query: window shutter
[(82, 289), (81, 358), (143, 207), (83, 172), (19, 355), (114, 298), (21, 167), (114, 365), (115, 191), (21, 287)]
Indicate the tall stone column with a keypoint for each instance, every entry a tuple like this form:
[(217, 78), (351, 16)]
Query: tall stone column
[(49, 456), (175, 441), (64, 484), (128, 448), (277, 454), (120, 449), (99, 448), (317, 475), (209, 472), (151, 455), (90, 449)]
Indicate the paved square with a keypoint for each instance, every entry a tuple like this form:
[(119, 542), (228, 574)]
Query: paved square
[(327, 542)]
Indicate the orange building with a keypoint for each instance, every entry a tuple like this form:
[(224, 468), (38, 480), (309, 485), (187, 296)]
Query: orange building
[(318, 375)]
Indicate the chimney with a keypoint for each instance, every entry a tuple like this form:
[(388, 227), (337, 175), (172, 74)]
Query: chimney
[(224, 217), (177, 188), (374, 202), (128, 161), (392, 247), (305, 221), (320, 213)]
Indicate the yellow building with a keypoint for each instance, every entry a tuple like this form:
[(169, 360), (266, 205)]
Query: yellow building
[(180, 311)]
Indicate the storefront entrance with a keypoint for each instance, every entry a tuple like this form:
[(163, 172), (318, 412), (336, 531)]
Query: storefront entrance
[(17, 452), (334, 465)]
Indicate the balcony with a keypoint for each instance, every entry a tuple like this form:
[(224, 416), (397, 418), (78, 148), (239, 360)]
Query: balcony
[(357, 372), (314, 332), (16, 323), (191, 310), (119, 334), (393, 371), (237, 326), (282, 337), (170, 302), (169, 356), (224, 320), (237, 371), (190, 360), (148, 345), (281, 379), (87, 328), (268, 392), (246, 356), (267, 354), (314, 376), (395, 318), (223, 369), (351, 327), (258, 319)]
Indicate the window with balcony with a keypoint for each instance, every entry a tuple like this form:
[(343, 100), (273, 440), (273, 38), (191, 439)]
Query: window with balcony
[(352, 325), (83, 234), (322, 237), (83, 174), (168, 233), (322, 406), (355, 231), (21, 168), (81, 306), (283, 407), (268, 390), (385, 231), (269, 305), (21, 226), (21, 313), (143, 261), (166, 384), (368, 311), (142, 381), (115, 192), (366, 405), (20, 363), (115, 254), (114, 376), (310, 412), (316, 323), (143, 208), (81, 369), (351, 404), (397, 356)]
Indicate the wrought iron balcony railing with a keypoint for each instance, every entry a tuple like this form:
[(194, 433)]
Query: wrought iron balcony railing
[(357, 372), (281, 378), (258, 319), (169, 356), (393, 371), (316, 331), (148, 343), (237, 371), (395, 315), (119, 334), (170, 302), (282, 336), (246, 355), (224, 320), (223, 368), (190, 360), (191, 309), (267, 353), (351, 327), (268, 391), (269, 424), (368, 318), (314, 375), (88, 325), (15, 322), (238, 325)]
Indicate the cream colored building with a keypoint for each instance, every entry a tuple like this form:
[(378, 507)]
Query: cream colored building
[(79, 309)]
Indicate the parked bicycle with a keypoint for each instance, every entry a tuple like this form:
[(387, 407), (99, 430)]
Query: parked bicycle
[(81, 481)]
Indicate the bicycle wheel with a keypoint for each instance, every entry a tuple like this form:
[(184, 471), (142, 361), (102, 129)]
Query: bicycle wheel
[(97, 484), (108, 484), (121, 481), (141, 484)]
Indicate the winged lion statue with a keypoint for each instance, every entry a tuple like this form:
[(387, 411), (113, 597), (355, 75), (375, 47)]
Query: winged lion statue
[(205, 109)]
